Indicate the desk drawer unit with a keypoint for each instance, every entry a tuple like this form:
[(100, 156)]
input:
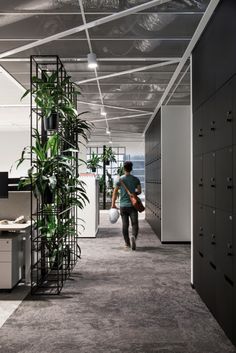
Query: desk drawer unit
[(10, 269)]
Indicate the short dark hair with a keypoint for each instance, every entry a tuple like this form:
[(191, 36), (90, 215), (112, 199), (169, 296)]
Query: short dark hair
[(128, 166)]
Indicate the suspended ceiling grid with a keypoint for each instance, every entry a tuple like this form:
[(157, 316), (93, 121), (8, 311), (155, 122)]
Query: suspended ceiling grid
[(157, 34)]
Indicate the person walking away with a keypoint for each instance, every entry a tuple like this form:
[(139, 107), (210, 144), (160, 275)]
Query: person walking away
[(126, 209)]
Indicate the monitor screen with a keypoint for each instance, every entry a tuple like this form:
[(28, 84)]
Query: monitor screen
[(3, 185)]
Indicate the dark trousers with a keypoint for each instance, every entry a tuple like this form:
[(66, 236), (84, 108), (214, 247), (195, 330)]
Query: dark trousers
[(126, 213)]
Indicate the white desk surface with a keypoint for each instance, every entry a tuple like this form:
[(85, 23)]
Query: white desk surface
[(14, 227)]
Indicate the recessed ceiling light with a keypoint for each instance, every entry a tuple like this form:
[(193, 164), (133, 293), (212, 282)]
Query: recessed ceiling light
[(108, 131), (92, 61)]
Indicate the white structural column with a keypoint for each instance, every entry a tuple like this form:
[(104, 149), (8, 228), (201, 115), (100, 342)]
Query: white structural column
[(81, 28), (175, 173)]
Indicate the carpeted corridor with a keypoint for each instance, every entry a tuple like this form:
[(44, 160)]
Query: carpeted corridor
[(119, 301)]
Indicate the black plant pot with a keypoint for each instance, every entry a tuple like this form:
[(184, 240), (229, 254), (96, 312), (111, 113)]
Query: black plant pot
[(93, 170), (48, 196), (51, 123)]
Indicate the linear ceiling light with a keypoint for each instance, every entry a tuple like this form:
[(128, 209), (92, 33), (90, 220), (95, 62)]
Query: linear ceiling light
[(92, 61), (103, 112)]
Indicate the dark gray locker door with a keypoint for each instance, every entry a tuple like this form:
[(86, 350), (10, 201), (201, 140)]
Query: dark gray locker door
[(209, 125), (234, 179), (199, 273), (234, 113), (209, 179), (224, 116), (210, 286), (210, 240), (198, 179), (224, 304), (224, 248), (234, 279), (198, 230), (224, 179), (198, 133)]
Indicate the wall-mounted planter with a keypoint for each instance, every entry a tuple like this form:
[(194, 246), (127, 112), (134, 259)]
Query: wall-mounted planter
[(51, 123)]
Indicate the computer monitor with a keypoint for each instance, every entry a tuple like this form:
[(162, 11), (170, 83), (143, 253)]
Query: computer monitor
[(3, 185)]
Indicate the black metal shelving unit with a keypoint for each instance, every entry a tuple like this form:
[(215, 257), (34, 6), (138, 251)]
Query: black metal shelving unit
[(48, 275)]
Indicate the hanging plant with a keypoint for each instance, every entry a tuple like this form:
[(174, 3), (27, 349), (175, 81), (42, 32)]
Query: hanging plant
[(50, 96), (93, 162), (108, 156)]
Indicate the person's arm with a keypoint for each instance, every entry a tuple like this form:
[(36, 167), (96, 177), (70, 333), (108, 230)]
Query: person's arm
[(114, 197), (138, 190)]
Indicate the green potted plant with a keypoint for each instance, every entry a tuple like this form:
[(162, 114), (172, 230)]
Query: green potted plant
[(50, 97), (72, 126), (49, 171), (120, 170), (108, 156), (93, 162)]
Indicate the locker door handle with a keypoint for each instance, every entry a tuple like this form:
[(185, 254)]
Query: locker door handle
[(200, 184), (229, 254), (229, 186), (200, 234), (200, 133), (213, 239), (213, 185), (229, 116), (212, 125), (229, 246)]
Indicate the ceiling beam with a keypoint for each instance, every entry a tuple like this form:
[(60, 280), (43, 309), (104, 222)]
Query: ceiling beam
[(91, 51), (172, 39), (142, 68), (200, 28), (81, 28), (11, 78), (76, 60), (119, 117), (178, 83), (98, 13), (115, 107)]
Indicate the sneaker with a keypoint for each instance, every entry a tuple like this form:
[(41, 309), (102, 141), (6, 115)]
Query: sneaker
[(133, 242), (127, 246)]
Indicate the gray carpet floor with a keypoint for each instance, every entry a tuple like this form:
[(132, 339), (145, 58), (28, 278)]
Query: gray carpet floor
[(119, 301)]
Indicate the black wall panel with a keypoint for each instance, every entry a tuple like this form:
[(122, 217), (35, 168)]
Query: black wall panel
[(214, 60), (214, 166), (153, 174)]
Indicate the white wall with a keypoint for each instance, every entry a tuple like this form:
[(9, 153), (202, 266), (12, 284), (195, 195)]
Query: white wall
[(176, 173), (14, 124), (12, 143)]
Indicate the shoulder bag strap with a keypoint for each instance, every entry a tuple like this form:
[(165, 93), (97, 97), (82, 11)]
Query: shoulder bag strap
[(125, 187)]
